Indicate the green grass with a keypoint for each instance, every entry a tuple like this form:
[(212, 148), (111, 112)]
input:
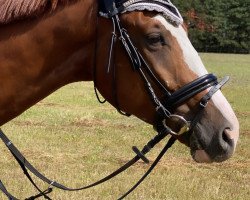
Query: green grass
[(74, 140)]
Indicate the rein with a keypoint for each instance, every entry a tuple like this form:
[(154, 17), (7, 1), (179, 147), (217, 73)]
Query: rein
[(164, 108), (25, 164)]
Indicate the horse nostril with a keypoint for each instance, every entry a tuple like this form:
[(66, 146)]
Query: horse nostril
[(228, 139), (231, 134), (226, 136), (225, 147)]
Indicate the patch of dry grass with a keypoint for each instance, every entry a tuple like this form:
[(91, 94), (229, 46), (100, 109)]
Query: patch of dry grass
[(71, 138)]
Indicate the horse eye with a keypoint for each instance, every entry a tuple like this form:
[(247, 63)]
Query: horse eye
[(155, 39)]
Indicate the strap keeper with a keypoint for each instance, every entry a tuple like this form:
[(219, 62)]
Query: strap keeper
[(203, 103), (51, 185), (8, 143)]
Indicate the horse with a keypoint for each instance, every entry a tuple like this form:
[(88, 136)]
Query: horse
[(45, 45)]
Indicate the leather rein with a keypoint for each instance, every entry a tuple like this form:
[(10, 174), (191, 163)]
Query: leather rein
[(163, 107)]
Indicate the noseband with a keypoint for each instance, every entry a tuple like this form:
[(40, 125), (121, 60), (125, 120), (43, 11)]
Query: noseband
[(164, 107)]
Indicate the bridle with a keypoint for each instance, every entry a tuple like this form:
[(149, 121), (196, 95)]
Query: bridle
[(170, 101), (164, 108)]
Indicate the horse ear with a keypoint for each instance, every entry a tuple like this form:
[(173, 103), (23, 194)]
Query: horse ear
[(108, 7)]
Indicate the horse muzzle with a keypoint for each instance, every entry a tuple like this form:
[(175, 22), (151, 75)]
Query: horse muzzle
[(206, 149)]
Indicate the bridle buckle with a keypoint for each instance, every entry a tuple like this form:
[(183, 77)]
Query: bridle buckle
[(203, 104)]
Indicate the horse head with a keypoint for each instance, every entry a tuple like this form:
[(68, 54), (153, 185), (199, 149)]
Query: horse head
[(140, 58), (163, 43)]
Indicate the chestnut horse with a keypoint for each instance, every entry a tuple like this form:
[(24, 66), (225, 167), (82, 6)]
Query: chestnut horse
[(45, 45)]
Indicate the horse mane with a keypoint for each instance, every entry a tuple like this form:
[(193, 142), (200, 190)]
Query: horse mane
[(13, 10)]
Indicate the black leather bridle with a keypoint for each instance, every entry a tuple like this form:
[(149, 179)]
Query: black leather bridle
[(170, 101), (164, 108)]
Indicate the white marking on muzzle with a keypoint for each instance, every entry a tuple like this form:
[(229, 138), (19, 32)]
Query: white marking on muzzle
[(226, 110), (193, 61)]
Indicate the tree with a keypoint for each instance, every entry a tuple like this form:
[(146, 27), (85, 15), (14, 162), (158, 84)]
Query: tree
[(217, 26)]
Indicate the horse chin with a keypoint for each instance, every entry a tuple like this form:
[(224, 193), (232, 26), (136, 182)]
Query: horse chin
[(196, 150), (198, 154)]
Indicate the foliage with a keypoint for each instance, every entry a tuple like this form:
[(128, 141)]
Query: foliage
[(217, 26)]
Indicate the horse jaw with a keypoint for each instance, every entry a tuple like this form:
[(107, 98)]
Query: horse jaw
[(193, 61)]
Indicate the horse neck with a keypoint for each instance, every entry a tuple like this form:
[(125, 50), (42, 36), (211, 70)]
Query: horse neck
[(42, 55)]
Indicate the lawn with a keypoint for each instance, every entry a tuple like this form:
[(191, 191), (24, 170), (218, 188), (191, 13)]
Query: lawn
[(74, 140)]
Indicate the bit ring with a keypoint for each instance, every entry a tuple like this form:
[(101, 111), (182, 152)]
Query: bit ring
[(183, 129)]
